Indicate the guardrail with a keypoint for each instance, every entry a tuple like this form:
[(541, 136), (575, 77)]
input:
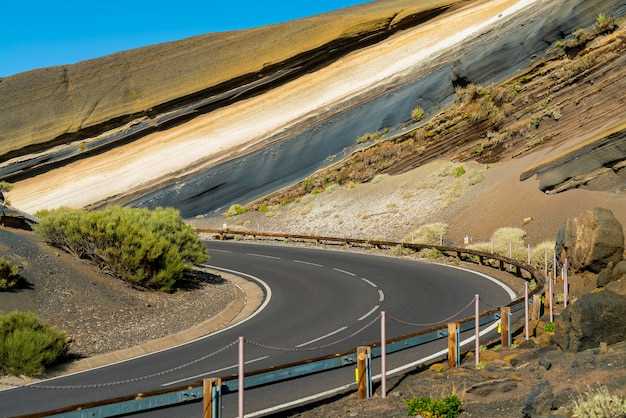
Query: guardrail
[(194, 392)]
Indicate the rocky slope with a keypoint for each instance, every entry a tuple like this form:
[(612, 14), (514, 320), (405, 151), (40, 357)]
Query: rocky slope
[(62, 104)]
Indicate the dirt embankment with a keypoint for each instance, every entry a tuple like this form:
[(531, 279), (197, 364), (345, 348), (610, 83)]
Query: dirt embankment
[(101, 313), (163, 84)]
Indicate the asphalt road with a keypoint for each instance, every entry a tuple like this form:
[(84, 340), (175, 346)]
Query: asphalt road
[(318, 297)]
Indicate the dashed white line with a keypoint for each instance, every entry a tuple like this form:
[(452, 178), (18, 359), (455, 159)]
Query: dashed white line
[(322, 337), (344, 271), (264, 256), (220, 251), (369, 313), (381, 295), (368, 282), (213, 371), (307, 263)]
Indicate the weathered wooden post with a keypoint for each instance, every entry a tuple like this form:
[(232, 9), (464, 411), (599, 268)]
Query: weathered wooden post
[(551, 299), (565, 284), (212, 398), (505, 326), (454, 353), (529, 258), (364, 371)]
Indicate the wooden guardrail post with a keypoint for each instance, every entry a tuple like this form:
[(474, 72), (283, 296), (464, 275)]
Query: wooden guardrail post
[(364, 371), (536, 308), (212, 398), (505, 326), (454, 352)]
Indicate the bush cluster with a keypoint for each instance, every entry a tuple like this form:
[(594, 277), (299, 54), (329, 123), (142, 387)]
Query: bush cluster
[(27, 346), (9, 274), (236, 210), (149, 248), (448, 407), (428, 234), (599, 403)]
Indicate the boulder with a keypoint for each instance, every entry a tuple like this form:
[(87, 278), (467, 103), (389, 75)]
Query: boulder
[(618, 286), (595, 317), (591, 241), (582, 283), (612, 272)]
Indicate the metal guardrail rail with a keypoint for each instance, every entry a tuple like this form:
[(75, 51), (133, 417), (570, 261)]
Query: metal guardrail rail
[(193, 392)]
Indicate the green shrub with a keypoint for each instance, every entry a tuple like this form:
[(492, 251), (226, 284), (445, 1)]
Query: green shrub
[(236, 210), (605, 23), (27, 346), (448, 407), (370, 137), (428, 234), (9, 274), (458, 171), (599, 403), (417, 114), (5, 187), (430, 254), (549, 327), (149, 248)]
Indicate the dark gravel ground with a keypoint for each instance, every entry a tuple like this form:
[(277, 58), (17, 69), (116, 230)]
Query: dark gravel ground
[(99, 312), (530, 381)]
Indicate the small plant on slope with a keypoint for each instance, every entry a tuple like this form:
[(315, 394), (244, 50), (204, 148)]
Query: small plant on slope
[(27, 346), (9, 274), (417, 114), (448, 407), (599, 403)]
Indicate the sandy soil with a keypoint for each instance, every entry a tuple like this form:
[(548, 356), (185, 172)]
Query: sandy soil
[(237, 127), (503, 388)]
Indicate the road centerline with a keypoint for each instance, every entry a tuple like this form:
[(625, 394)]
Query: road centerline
[(330, 334), (381, 295), (213, 372), (344, 272), (308, 263), (369, 282), (264, 256)]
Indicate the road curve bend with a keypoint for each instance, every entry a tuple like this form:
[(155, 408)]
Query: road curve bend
[(318, 302)]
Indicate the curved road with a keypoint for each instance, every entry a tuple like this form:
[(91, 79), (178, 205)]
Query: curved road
[(317, 297)]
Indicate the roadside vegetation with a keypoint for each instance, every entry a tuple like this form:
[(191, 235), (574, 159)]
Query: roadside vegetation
[(448, 407), (9, 274), (148, 248), (432, 234), (418, 113), (372, 136), (27, 346), (236, 210), (599, 403), (511, 239)]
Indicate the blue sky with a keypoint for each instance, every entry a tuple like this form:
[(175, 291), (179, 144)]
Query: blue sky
[(41, 33)]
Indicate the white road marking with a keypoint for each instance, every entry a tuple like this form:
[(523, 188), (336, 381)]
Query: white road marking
[(368, 282), (264, 256), (369, 313), (381, 295), (220, 251), (307, 263), (322, 337), (344, 271), (213, 372)]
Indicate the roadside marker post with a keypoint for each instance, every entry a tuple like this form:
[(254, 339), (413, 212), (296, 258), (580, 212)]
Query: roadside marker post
[(241, 378), (383, 355), (510, 249), (565, 283), (526, 330), (528, 253), (477, 329), (454, 352), (364, 371), (505, 317), (212, 398), (545, 261)]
